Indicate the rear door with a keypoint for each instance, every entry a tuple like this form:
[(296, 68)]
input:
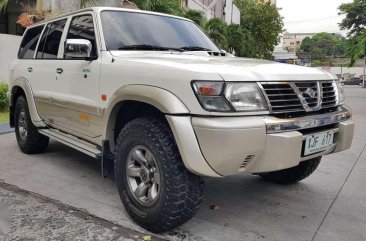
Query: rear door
[(43, 75)]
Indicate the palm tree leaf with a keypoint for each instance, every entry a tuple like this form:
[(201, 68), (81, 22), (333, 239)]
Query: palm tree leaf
[(3, 4)]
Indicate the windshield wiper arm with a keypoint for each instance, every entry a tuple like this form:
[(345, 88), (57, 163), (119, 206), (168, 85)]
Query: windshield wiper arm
[(147, 47), (195, 48)]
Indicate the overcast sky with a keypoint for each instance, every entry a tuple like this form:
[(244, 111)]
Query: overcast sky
[(311, 16)]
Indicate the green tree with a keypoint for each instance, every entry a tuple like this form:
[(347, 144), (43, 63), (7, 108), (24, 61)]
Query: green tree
[(355, 20), (196, 16), (306, 45), (355, 23), (163, 6), (240, 41), (323, 46), (217, 30), (265, 24), (3, 4)]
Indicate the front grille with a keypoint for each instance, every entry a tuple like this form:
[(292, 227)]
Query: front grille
[(329, 95), (298, 98), (282, 98)]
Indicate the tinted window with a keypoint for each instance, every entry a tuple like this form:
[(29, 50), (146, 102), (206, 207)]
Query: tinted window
[(82, 27), (123, 29), (50, 41), (29, 42)]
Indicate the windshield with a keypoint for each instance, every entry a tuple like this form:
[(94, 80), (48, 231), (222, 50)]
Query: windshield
[(141, 31)]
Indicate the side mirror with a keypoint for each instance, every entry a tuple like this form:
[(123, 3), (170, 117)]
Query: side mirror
[(78, 49)]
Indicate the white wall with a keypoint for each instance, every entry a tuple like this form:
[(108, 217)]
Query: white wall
[(197, 5), (9, 45), (232, 13)]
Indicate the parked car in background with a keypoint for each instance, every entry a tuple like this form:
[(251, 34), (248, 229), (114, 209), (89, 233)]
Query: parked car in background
[(353, 81)]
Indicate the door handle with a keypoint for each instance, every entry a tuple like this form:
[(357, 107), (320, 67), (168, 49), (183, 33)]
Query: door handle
[(59, 70), (30, 69)]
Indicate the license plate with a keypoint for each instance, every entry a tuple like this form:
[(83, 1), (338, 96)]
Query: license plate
[(318, 142)]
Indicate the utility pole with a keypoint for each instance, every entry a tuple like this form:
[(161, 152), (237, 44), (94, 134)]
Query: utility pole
[(364, 69)]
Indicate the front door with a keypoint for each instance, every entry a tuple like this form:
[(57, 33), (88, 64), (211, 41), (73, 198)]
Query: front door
[(77, 100)]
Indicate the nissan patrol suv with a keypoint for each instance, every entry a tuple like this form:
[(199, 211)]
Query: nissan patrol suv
[(161, 106)]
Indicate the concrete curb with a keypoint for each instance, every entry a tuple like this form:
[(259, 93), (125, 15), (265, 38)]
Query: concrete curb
[(5, 128)]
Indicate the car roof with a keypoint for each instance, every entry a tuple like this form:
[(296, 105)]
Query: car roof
[(100, 9)]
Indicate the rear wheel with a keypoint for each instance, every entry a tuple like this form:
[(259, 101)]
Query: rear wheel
[(158, 192), (29, 140), (293, 174)]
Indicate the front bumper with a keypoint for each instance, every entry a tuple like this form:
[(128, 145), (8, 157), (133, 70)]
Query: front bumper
[(256, 144)]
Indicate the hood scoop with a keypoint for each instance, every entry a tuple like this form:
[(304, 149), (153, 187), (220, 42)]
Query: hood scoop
[(212, 53)]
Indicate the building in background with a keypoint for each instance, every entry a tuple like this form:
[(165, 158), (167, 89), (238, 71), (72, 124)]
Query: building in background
[(224, 9), (283, 56), (292, 41)]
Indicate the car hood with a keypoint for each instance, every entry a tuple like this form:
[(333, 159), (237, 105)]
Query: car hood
[(229, 68)]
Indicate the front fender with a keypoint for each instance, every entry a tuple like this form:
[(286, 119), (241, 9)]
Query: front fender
[(27, 89), (162, 99)]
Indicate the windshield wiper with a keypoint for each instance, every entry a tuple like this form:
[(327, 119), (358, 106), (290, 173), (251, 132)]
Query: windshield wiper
[(147, 47), (195, 48)]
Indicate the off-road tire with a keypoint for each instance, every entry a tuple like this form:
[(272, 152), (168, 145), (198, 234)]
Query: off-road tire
[(293, 174), (34, 142), (181, 191)]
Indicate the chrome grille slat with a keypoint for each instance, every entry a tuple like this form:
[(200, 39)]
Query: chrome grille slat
[(302, 96), (285, 106), (285, 100)]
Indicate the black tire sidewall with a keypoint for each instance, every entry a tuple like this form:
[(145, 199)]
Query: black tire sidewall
[(148, 213), (20, 106)]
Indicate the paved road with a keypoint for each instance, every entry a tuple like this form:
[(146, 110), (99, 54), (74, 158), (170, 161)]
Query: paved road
[(330, 205)]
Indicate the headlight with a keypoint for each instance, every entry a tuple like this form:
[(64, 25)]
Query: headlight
[(245, 97), (340, 93), (218, 96)]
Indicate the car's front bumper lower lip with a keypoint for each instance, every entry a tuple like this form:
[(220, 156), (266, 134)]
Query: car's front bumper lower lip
[(276, 125)]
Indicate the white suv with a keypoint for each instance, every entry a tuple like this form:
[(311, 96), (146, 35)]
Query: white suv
[(155, 100)]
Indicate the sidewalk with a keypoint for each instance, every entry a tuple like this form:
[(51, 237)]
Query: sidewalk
[(34, 217)]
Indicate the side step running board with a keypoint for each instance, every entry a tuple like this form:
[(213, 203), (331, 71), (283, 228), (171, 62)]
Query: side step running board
[(73, 142)]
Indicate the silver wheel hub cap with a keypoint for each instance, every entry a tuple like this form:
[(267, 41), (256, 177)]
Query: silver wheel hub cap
[(143, 175), (22, 125)]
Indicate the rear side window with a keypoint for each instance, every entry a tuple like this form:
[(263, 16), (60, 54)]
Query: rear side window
[(50, 41), (29, 42), (82, 27)]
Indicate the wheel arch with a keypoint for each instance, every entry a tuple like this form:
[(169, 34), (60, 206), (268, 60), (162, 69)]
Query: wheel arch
[(21, 87), (133, 101)]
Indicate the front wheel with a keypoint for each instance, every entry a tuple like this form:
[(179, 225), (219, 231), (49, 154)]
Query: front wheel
[(293, 174), (158, 192)]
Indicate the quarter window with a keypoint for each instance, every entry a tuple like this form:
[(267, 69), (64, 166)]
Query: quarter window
[(29, 42), (82, 27), (50, 41)]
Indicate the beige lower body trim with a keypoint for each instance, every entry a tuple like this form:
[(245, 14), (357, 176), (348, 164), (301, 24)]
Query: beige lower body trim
[(188, 146)]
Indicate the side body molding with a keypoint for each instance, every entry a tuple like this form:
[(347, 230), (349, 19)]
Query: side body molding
[(25, 86), (162, 99)]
